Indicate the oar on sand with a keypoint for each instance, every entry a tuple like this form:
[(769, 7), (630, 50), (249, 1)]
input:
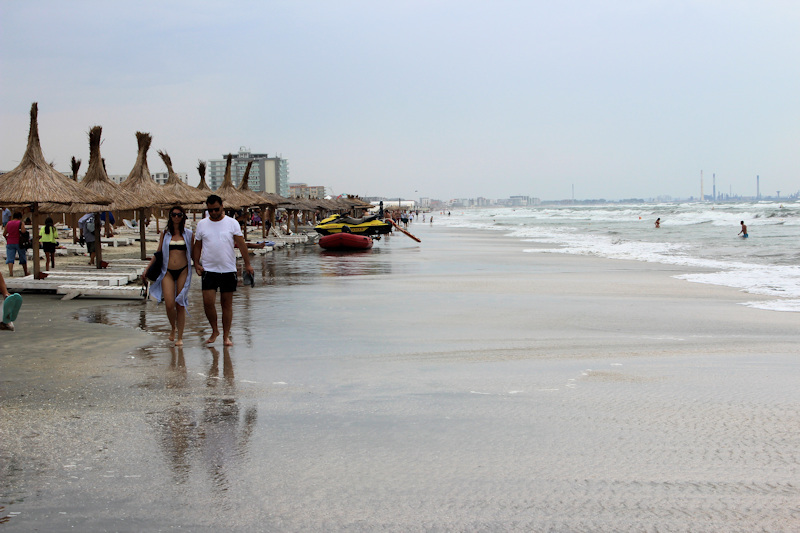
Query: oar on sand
[(404, 231)]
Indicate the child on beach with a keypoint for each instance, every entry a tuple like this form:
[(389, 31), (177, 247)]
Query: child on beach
[(47, 236)]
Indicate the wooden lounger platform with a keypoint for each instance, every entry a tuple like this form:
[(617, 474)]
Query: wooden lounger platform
[(129, 292), (107, 285), (128, 261), (108, 280), (132, 273), (74, 249), (27, 283), (117, 241)]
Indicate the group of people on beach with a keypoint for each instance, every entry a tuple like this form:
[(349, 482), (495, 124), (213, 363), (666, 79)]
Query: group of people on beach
[(210, 252)]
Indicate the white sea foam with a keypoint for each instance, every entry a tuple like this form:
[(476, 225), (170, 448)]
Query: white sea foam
[(697, 236)]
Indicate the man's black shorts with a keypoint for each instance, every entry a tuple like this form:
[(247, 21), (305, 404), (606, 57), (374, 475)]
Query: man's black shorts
[(224, 281)]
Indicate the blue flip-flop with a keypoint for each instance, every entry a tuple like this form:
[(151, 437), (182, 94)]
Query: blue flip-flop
[(11, 307)]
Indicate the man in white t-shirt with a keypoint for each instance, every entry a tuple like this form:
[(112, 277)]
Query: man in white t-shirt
[(214, 260)]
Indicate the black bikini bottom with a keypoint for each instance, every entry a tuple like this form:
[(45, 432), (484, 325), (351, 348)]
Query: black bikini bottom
[(176, 272)]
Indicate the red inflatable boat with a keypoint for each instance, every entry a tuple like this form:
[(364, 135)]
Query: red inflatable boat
[(345, 241)]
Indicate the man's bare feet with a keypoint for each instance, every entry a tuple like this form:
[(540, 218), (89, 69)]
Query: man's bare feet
[(213, 337), (179, 342), (228, 341)]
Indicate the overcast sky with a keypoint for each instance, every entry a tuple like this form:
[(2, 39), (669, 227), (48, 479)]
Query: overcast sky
[(442, 99)]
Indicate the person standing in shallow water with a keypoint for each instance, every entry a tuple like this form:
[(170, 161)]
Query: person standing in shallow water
[(658, 223), (215, 261), (172, 285), (743, 233)]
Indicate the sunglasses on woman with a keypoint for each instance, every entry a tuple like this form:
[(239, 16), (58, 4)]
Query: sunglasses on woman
[(176, 215)]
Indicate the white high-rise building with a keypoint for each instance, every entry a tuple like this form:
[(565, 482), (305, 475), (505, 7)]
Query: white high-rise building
[(268, 174)]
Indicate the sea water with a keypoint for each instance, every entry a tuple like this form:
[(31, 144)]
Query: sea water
[(692, 234)]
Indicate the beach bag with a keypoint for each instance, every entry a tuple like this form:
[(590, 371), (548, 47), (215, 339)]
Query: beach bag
[(24, 239), (90, 225), (155, 270)]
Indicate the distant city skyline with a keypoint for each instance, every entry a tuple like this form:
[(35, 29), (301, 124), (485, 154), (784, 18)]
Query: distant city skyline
[(621, 98)]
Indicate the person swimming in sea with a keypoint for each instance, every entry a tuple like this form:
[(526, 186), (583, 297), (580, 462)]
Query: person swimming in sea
[(743, 233), (658, 222)]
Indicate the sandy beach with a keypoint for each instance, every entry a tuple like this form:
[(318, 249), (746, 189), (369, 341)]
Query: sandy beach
[(460, 384)]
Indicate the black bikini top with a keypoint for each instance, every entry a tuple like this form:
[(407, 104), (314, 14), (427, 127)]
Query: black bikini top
[(177, 245)]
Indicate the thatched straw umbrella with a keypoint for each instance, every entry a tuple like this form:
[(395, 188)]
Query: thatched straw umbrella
[(245, 189), (202, 186), (185, 193), (293, 206), (259, 200), (201, 169), (144, 191), (34, 181), (272, 201), (76, 165), (231, 196), (96, 179)]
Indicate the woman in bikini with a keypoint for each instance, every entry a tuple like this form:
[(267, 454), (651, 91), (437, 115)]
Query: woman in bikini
[(176, 273)]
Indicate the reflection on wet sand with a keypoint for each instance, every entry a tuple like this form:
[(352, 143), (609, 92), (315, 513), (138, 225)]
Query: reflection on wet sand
[(214, 432), (177, 378)]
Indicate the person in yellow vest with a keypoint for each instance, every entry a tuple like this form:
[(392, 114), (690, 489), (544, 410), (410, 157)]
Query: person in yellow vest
[(48, 236)]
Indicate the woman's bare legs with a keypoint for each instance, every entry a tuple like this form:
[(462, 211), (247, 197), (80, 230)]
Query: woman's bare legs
[(168, 291), (180, 314)]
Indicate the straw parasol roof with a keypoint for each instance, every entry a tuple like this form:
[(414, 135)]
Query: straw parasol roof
[(298, 204), (201, 169), (244, 188), (231, 196), (144, 192), (358, 203), (174, 186), (34, 180), (272, 198), (76, 165), (95, 180)]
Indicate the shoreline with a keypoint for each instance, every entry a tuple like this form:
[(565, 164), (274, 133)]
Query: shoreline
[(460, 384)]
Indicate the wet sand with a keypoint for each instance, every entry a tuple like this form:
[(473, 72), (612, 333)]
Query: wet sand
[(455, 385)]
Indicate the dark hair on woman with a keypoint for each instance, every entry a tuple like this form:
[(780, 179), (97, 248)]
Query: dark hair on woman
[(181, 224), (48, 226)]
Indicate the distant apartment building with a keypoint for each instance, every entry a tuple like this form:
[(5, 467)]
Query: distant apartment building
[(159, 177), (462, 202), (301, 190), (268, 174), (523, 201)]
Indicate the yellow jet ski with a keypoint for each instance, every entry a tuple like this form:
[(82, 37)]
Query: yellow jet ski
[(369, 225)]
